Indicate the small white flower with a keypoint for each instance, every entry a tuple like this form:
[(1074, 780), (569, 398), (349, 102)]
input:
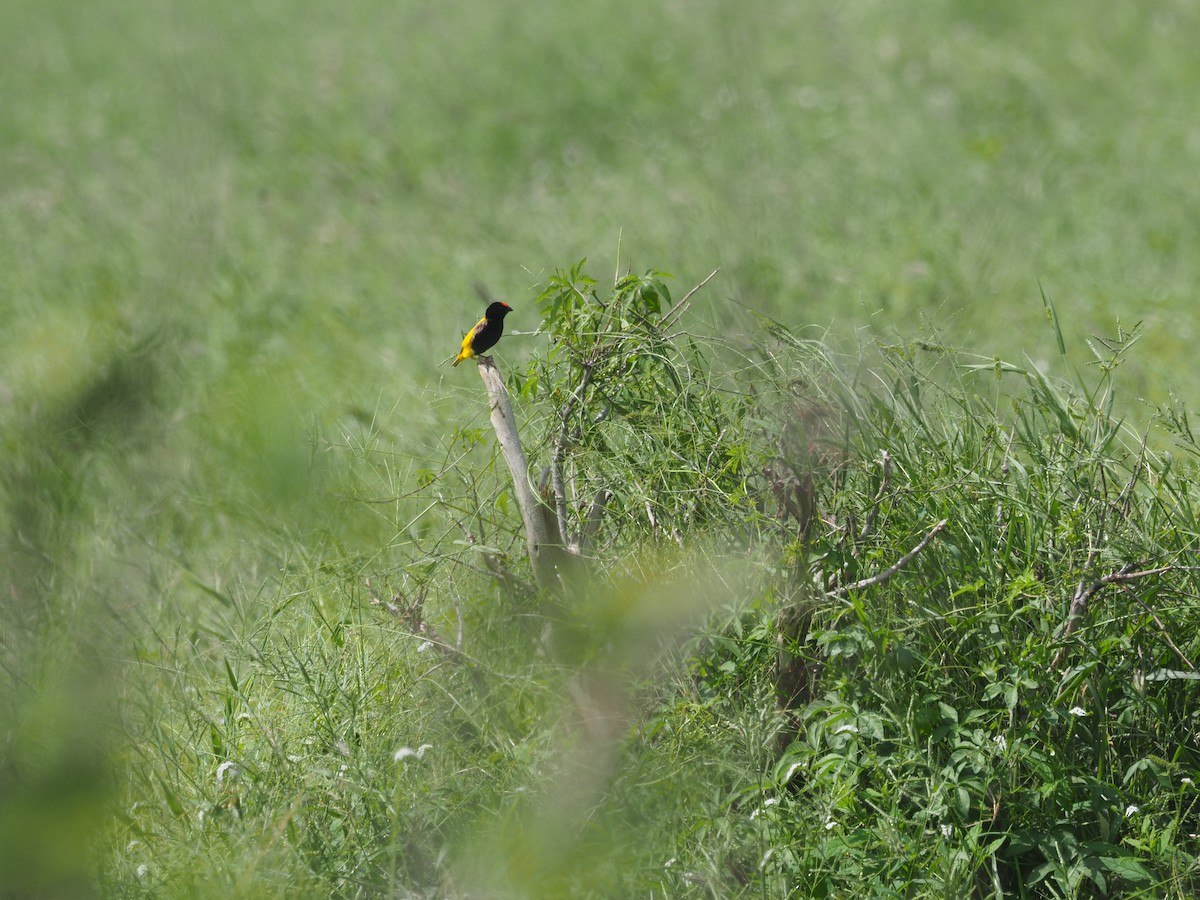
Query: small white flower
[(947, 830), (1186, 780), (1130, 810), (770, 801), (406, 752), (829, 823), (228, 769), (1002, 742), (143, 870), (670, 862), (1078, 711)]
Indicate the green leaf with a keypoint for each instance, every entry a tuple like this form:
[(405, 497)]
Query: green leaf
[(1128, 868)]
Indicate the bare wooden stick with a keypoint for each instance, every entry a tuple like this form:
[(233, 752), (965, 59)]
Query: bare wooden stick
[(537, 538)]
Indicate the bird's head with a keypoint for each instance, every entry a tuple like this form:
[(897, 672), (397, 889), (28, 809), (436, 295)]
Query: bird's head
[(498, 310)]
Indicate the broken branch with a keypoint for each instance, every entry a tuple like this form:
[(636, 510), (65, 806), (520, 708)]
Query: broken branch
[(537, 538)]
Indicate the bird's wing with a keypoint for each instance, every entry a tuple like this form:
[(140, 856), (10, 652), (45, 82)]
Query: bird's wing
[(469, 338), (479, 326)]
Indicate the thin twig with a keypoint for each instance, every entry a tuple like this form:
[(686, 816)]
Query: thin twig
[(678, 309), (886, 574), (1125, 576)]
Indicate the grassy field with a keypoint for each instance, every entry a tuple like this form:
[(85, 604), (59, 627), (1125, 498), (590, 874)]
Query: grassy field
[(238, 242)]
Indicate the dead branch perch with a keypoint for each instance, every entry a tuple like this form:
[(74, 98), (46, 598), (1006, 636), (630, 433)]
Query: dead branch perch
[(537, 537)]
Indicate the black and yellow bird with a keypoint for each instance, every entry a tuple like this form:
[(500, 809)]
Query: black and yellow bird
[(485, 333)]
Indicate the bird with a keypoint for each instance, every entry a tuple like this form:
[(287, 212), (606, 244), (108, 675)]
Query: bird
[(485, 333)]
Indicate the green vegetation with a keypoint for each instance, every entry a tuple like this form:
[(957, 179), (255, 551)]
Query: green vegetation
[(266, 625)]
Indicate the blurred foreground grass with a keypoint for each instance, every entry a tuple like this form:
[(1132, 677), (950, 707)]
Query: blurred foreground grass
[(236, 241)]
